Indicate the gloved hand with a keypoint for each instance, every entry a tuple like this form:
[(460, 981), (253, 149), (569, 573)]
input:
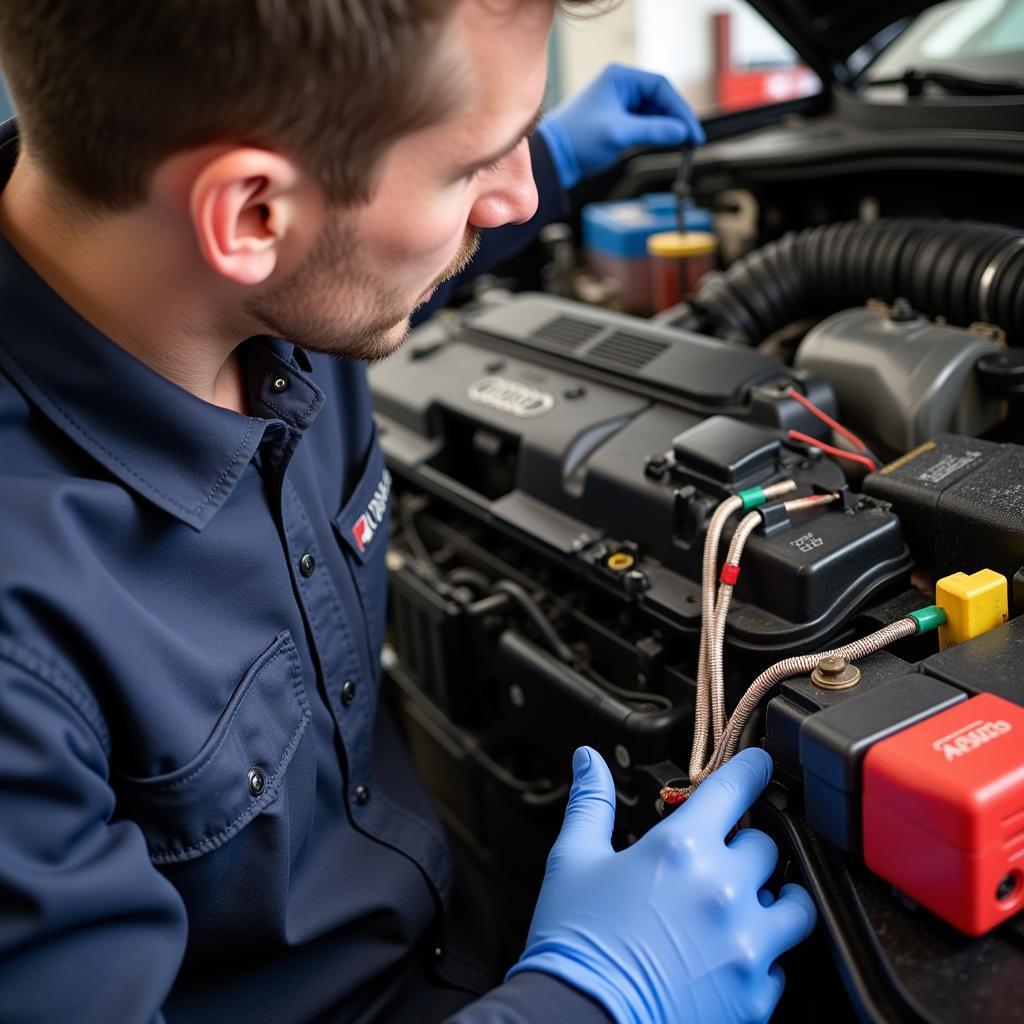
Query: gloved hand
[(676, 929), (622, 107)]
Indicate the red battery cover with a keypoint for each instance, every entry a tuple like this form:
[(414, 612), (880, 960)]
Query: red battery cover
[(943, 806)]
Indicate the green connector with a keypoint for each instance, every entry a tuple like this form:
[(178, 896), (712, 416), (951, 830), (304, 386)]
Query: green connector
[(752, 497), (928, 618)]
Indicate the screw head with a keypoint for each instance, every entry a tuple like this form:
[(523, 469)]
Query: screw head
[(832, 673), (656, 466)]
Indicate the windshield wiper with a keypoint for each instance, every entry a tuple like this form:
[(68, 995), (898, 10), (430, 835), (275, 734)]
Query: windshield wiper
[(961, 85)]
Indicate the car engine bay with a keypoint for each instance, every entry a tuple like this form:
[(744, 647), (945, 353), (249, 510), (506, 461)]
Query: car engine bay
[(839, 410)]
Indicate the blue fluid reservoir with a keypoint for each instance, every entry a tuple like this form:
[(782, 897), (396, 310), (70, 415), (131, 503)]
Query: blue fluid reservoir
[(615, 237)]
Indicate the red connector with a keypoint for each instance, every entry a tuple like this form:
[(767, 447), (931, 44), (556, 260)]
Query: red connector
[(730, 574), (943, 807)]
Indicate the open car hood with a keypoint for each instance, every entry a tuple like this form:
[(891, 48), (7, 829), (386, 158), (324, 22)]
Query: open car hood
[(825, 32)]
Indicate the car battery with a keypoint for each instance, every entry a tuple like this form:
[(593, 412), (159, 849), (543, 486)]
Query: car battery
[(943, 812)]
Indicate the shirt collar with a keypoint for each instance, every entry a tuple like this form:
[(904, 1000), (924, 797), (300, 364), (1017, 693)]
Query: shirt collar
[(183, 454)]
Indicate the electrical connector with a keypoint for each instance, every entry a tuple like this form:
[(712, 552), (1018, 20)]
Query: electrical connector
[(752, 497), (928, 618), (973, 605)]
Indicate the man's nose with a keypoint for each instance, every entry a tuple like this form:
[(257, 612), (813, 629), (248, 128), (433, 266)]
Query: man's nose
[(510, 195)]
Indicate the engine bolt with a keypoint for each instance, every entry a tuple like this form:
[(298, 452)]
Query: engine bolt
[(834, 673), (635, 581)]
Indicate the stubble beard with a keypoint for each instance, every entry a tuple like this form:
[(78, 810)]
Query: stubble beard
[(306, 308)]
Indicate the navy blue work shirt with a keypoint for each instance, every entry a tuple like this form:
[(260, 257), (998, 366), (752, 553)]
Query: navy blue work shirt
[(204, 813)]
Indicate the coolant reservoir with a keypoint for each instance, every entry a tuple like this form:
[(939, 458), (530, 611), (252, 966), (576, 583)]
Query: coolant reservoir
[(615, 237), (900, 378)]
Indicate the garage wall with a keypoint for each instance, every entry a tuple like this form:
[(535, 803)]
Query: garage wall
[(672, 37)]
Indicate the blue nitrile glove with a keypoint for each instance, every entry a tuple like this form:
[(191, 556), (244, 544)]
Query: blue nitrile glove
[(621, 108), (676, 929)]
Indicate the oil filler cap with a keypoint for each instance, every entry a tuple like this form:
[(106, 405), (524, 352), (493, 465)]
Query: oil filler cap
[(943, 807)]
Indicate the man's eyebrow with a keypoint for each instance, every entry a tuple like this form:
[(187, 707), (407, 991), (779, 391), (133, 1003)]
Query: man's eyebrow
[(495, 157)]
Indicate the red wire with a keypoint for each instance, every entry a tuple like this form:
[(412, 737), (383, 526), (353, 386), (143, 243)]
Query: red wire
[(829, 449), (825, 418)]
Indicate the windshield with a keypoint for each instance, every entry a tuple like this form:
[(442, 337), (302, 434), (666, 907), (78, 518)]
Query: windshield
[(976, 38)]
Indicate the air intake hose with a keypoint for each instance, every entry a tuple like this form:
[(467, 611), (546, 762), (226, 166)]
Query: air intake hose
[(962, 270)]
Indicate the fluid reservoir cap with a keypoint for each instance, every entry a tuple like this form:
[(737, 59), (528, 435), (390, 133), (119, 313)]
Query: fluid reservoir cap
[(679, 245), (1002, 373), (902, 311)]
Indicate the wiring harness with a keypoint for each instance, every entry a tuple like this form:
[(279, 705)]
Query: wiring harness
[(710, 719)]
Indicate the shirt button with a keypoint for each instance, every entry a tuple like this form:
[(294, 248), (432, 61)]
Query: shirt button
[(348, 692), (362, 794), (257, 781), (279, 384), (307, 563)]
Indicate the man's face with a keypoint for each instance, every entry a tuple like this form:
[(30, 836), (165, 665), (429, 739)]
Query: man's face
[(373, 265)]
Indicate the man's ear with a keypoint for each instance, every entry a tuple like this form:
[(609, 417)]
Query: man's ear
[(243, 203)]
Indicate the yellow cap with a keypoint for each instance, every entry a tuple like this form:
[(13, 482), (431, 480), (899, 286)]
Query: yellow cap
[(973, 605), (679, 245)]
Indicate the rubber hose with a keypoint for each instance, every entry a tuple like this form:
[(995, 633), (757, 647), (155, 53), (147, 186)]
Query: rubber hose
[(964, 271)]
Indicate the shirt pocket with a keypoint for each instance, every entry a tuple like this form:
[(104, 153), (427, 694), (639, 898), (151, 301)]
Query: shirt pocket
[(363, 526), (238, 771)]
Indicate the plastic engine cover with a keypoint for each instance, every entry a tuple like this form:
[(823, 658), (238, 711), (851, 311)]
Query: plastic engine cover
[(901, 381)]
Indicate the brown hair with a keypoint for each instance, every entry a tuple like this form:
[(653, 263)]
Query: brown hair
[(106, 89)]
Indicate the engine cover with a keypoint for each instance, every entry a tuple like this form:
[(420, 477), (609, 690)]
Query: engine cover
[(588, 433)]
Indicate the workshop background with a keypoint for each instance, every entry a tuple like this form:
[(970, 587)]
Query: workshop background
[(720, 54)]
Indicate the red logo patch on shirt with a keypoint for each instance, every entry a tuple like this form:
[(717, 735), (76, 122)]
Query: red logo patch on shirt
[(368, 523)]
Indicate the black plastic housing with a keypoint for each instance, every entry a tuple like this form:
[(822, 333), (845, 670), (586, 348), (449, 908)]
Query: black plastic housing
[(833, 744), (578, 431), (961, 502), (990, 663)]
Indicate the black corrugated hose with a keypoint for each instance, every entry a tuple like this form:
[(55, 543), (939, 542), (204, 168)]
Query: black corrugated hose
[(962, 270)]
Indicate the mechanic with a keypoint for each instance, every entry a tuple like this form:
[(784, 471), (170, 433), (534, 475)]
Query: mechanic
[(204, 815)]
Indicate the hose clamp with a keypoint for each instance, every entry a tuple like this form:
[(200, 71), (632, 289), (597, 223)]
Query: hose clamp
[(991, 272)]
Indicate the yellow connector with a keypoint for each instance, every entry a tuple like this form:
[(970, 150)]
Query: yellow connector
[(621, 561), (973, 605)]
